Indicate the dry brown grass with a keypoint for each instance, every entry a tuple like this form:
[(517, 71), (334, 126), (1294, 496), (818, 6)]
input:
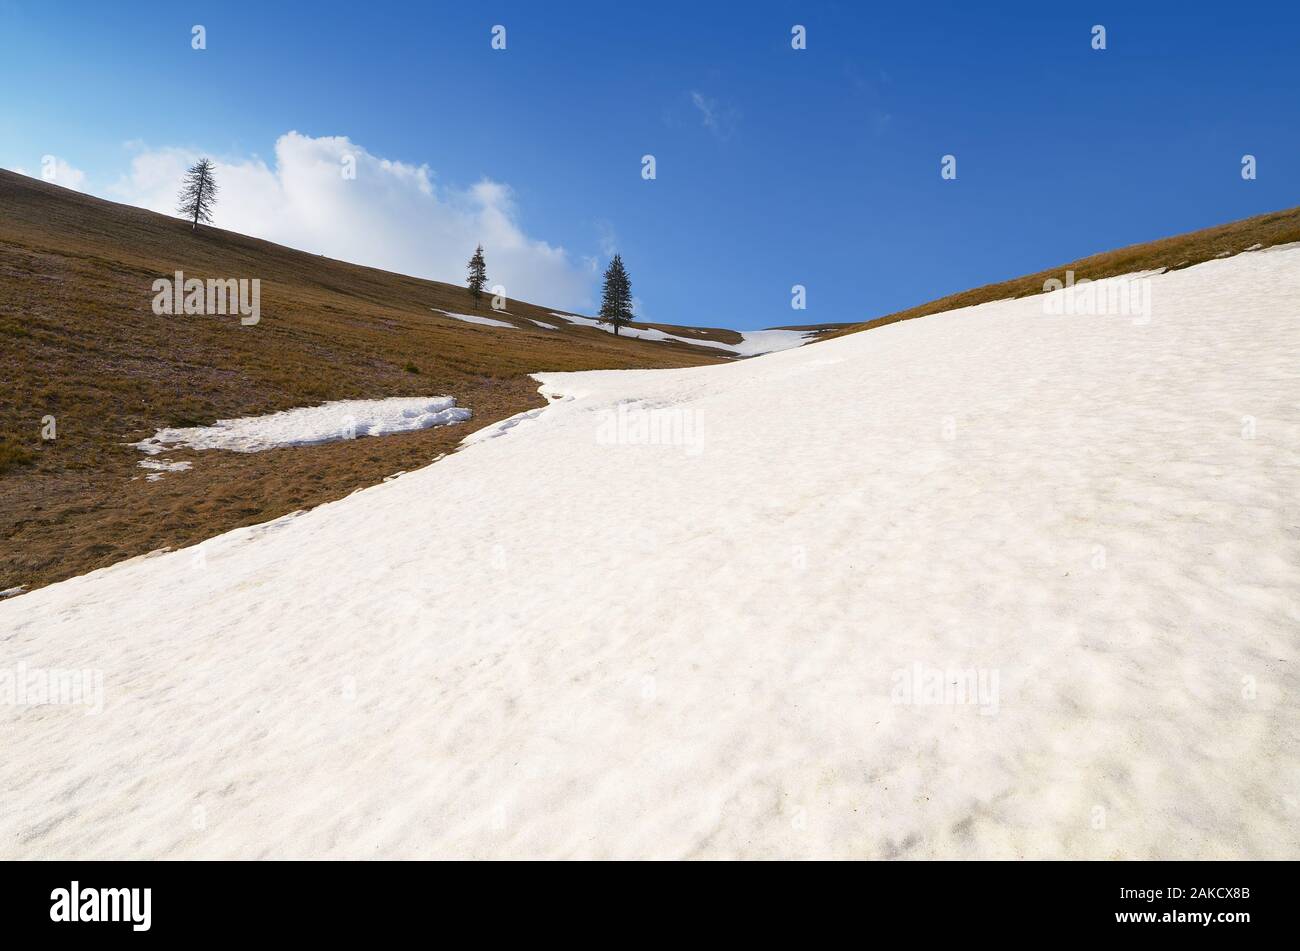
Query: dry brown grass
[(1180, 251), (80, 342), (13, 456)]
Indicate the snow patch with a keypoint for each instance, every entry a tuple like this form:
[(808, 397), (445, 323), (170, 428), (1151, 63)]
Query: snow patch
[(311, 425), (758, 342), (753, 343), (162, 466), (474, 319)]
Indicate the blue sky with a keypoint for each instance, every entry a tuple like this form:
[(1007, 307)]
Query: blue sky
[(775, 167)]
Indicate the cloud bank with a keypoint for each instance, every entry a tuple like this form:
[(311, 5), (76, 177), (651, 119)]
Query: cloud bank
[(57, 171), (331, 196)]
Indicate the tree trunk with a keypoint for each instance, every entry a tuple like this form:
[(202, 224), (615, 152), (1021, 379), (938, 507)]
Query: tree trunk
[(198, 203)]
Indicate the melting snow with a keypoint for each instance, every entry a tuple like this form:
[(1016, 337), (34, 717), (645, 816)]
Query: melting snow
[(473, 319), (162, 466), (990, 583), (752, 344), (309, 426)]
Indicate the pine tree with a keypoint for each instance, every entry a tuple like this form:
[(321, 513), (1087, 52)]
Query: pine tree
[(477, 275), (198, 194), (616, 301)]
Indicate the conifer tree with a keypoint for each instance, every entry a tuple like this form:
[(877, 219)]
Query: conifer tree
[(616, 301), (198, 194), (477, 275)]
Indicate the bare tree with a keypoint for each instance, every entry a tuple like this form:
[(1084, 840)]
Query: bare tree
[(198, 193)]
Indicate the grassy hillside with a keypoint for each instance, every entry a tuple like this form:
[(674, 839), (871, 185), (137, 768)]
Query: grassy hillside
[(82, 344), (1180, 251)]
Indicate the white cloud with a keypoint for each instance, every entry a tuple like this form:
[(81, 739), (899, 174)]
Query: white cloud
[(608, 238), (56, 171), (391, 215), (718, 119)]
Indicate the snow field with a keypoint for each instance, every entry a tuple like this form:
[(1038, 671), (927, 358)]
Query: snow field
[(990, 583)]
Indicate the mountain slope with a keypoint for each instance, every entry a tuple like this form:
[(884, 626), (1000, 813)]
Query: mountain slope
[(992, 584), (82, 344), (1170, 254)]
